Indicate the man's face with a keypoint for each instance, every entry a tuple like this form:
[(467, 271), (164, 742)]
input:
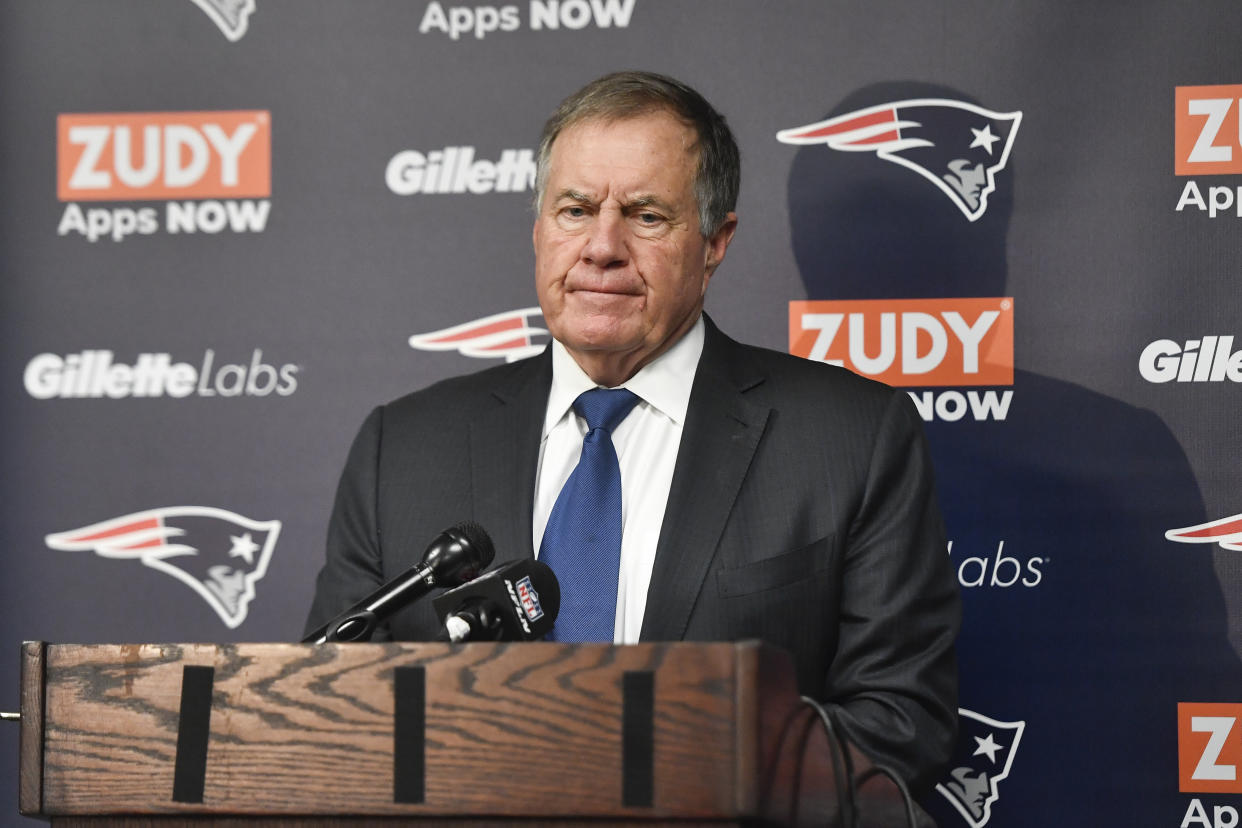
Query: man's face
[(620, 265)]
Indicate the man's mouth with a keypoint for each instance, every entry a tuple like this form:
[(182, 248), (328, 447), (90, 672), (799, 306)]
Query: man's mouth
[(603, 289)]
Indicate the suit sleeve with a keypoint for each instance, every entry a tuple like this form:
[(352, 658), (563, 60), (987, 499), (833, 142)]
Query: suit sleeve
[(894, 677), (353, 567)]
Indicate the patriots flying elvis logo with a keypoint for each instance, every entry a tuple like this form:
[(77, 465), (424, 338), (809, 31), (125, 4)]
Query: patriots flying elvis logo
[(955, 145), (508, 335), (218, 554), (231, 16), (1227, 532), (984, 754)]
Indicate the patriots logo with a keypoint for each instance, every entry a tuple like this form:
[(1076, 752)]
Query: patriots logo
[(1227, 532), (219, 554), (231, 16), (509, 335), (984, 754), (955, 145)]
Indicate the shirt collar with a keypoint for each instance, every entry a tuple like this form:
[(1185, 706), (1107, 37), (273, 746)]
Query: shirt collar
[(663, 384)]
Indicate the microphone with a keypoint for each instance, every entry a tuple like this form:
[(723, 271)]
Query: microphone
[(453, 558), (515, 602)]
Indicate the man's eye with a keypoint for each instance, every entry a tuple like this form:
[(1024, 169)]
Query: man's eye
[(649, 218), (574, 211)]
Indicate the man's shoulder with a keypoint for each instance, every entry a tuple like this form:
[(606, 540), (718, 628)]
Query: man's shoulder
[(773, 372)]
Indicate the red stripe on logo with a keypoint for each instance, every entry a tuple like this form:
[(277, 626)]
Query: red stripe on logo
[(861, 121), (137, 526), (1230, 528), (483, 330)]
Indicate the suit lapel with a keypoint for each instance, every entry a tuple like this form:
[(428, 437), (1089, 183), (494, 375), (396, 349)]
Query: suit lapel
[(504, 453), (721, 434)]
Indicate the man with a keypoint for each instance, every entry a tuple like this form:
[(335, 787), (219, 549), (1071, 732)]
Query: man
[(762, 496)]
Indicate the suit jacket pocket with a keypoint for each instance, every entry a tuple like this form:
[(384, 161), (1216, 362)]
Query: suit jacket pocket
[(771, 573)]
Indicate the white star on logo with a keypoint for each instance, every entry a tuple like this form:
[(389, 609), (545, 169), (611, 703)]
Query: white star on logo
[(984, 138), (243, 547), (988, 746)]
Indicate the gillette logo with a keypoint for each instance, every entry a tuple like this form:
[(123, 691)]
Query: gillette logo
[(455, 170), (94, 375), (1210, 359)]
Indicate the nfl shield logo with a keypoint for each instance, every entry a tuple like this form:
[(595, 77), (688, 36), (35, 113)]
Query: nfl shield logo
[(530, 600)]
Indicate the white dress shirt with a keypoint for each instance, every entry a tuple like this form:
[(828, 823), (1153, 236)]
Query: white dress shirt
[(646, 442)]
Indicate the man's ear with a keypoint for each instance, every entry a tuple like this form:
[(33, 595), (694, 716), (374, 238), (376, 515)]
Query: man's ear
[(719, 242)]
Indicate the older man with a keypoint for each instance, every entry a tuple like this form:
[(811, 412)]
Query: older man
[(683, 486)]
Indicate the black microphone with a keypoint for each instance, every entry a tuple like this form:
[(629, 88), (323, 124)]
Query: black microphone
[(454, 557), (515, 602)]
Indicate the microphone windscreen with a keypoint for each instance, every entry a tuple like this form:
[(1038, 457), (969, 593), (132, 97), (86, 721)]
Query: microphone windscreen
[(459, 554), (524, 594), (477, 537)]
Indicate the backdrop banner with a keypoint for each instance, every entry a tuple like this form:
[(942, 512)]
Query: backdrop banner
[(232, 227)]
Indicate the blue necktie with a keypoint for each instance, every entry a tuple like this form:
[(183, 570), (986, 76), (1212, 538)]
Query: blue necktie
[(582, 542)]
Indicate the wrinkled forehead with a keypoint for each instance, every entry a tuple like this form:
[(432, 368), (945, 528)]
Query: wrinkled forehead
[(635, 160)]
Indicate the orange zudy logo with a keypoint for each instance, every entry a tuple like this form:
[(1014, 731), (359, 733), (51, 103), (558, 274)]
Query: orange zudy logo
[(1209, 748), (139, 156), (909, 342), (1207, 140)]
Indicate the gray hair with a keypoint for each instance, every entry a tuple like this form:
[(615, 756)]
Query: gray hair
[(628, 94)]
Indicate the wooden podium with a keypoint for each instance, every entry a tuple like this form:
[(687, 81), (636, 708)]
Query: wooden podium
[(438, 734)]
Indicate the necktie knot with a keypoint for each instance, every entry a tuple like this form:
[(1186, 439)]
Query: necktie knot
[(605, 407)]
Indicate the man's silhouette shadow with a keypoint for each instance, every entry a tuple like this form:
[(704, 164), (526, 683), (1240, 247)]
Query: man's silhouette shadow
[(1121, 624)]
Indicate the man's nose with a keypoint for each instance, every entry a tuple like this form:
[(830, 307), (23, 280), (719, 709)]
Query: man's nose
[(606, 245)]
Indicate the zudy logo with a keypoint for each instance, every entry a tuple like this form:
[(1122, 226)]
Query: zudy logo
[(161, 155), (1209, 748), (1207, 141), (213, 170), (479, 21), (909, 341), (929, 343)]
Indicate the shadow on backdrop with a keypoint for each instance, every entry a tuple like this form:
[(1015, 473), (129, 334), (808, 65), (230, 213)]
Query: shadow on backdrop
[(1081, 620)]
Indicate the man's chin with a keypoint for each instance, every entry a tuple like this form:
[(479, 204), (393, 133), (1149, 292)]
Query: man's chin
[(589, 340), (599, 329)]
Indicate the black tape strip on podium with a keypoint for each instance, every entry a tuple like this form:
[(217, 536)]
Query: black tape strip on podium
[(190, 768), (637, 739), (409, 762)]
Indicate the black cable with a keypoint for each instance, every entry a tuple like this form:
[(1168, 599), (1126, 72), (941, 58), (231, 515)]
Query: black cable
[(800, 754), (769, 782), (842, 765), (907, 800)]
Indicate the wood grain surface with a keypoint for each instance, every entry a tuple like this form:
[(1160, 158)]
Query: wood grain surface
[(30, 750), (526, 729)]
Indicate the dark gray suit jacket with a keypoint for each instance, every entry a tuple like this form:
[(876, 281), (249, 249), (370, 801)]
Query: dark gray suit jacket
[(802, 512)]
